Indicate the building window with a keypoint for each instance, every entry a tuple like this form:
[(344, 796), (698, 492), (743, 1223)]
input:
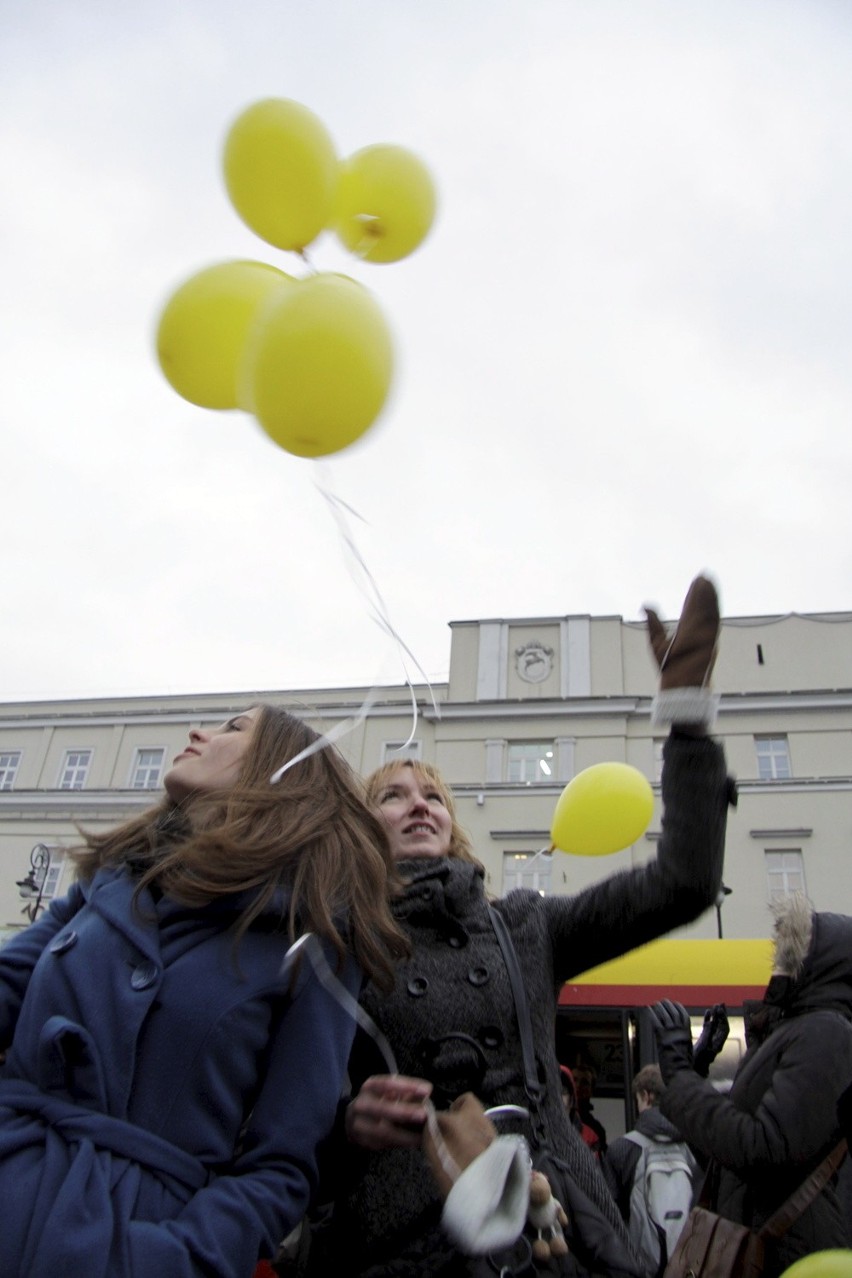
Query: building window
[(75, 769), (147, 768), (397, 751), (773, 758), (9, 761), (528, 762), (526, 870), (785, 873)]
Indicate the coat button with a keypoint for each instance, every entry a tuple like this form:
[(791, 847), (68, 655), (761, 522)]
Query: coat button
[(144, 976), (417, 986), (455, 942), (490, 1036), (478, 975), (63, 942)]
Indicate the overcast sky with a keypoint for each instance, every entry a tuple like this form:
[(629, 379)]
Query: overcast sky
[(622, 356)]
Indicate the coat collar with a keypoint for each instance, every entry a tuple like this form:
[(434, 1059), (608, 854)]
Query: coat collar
[(112, 891), (439, 885)]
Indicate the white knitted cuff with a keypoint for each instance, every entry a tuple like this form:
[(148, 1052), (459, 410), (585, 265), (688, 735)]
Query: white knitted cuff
[(685, 705)]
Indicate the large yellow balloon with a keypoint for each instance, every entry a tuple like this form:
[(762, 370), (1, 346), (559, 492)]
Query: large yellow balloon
[(203, 328), (604, 809), (822, 1264), (385, 203), (280, 170), (318, 365)]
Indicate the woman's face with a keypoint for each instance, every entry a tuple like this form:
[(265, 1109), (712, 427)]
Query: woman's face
[(415, 814), (211, 762)]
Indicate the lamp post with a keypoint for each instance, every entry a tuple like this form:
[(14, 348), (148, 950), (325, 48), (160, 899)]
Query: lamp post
[(720, 901), (33, 884)]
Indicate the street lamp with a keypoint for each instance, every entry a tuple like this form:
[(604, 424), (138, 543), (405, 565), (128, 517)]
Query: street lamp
[(720, 901), (33, 884)]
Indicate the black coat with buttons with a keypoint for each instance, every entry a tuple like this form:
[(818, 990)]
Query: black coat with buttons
[(451, 1017)]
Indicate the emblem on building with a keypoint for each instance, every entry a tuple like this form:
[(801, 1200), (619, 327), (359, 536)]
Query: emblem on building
[(533, 662)]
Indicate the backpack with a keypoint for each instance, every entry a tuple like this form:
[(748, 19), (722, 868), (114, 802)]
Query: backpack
[(661, 1197)]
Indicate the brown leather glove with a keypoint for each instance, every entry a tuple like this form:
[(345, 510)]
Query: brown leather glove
[(686, 657)]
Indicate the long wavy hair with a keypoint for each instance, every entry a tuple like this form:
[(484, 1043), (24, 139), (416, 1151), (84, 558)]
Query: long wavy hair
[(312, 833), (460, 845)]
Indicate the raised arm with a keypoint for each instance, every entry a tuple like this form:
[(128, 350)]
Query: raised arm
[(638, 905)]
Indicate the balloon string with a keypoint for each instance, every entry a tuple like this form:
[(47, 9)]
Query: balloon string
[(378, 611), (310, 942), (369, 588), (327, 738), (548, 851)]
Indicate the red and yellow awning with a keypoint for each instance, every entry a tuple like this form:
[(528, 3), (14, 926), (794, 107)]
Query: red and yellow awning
[(695, 973)]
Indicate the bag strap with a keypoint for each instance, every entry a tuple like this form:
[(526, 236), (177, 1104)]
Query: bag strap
[(533, 1088), (790, 1211)]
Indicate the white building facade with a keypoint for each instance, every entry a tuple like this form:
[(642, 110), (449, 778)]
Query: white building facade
[(528, 704)]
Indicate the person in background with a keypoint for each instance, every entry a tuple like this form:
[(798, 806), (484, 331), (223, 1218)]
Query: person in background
[(450, 1018), (569, 1100), (779, 1120), (585, 1077), (652, 1154), (167, 1081)]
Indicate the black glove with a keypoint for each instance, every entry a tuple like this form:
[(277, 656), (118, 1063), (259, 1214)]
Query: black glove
[(711, 1040), (674, 1037)]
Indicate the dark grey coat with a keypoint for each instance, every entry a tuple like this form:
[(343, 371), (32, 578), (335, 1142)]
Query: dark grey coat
[(451, 1017), (780, 1118)]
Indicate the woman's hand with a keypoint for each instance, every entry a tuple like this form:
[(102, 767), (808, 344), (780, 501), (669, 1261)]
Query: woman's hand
[(388, 1112)]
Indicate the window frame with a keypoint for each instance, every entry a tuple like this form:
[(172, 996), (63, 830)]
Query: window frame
[(542, 875), (392, 752), (546, 750), (77, 767), (771, 756), (7, 781), (137, 766), (774, 894)]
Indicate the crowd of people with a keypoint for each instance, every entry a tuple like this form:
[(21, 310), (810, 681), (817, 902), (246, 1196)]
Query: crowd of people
[(183, 1086)]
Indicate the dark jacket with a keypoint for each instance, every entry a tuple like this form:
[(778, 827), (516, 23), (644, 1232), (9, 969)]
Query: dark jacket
[(780, 1118), (451, 1017), (622, 1155), (163, 1095)]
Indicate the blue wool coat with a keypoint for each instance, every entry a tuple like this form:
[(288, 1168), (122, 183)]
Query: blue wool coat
[(164, 1093)]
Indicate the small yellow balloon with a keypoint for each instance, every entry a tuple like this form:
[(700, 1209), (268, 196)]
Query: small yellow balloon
[(280, 170), (204, 325), (822, 1264), (604, 809), (385, 203), (318, 365)]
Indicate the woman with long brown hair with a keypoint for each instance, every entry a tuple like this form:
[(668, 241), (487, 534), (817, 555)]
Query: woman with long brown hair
[(168, 1075)]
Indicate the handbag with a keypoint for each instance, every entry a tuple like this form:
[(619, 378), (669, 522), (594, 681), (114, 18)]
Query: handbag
[(589, 1234), (713, 1247)]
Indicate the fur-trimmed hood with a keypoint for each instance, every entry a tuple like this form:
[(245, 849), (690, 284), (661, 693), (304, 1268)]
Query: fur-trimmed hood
[(813, 959)]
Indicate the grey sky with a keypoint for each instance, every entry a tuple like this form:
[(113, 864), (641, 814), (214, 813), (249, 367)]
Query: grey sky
[(622, 355)]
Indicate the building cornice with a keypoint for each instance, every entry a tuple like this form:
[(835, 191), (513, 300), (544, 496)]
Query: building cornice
[(396, 703)]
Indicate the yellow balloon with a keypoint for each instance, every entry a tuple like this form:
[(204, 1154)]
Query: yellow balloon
[(604, 809), (318, 365), (204, 325), (822, 1264), (280, 170), (385, 203)]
